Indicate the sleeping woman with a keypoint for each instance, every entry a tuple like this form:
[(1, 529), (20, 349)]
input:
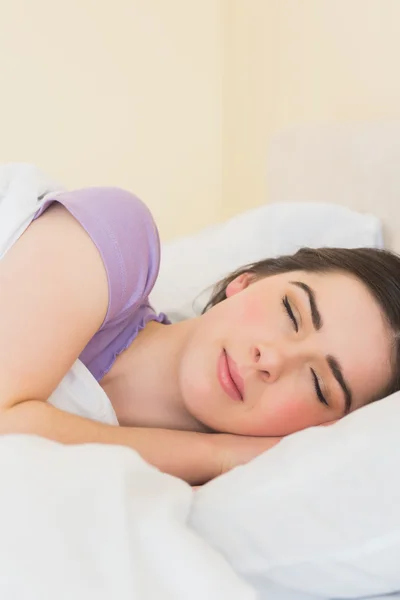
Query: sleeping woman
[(283, 344)]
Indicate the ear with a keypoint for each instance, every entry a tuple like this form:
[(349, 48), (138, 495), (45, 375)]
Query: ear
[(238, 284)]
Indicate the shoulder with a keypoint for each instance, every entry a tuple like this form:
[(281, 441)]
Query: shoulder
[(110, 208), (122, 228)]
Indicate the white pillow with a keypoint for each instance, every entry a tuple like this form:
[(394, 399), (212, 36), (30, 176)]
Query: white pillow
[(190, 266), (318, 514)]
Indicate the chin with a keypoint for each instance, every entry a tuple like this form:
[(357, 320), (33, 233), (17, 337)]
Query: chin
[(198, 402)]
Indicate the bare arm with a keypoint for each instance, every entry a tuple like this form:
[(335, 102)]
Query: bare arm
[(54, 297), (194, 457)]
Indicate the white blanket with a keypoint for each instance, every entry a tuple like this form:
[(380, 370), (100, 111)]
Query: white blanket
[(98, 523)]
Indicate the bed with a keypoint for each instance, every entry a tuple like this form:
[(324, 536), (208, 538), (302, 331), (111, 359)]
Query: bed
[(96, 523)]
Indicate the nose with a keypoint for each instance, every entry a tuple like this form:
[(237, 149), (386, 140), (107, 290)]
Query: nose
[(269, 360)]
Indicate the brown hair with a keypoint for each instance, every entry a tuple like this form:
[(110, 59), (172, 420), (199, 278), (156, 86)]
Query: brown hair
[(378, 270)]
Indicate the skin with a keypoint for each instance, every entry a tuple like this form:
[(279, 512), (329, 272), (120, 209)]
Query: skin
[(273, 359)]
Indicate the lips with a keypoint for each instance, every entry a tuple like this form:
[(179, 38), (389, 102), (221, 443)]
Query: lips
[(234, 373), (229, 377)]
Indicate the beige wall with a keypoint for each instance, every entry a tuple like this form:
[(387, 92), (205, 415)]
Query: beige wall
[(126, 92), (178, 99), (296, 62)]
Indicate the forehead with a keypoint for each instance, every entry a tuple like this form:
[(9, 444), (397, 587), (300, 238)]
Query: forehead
[(354, 329)]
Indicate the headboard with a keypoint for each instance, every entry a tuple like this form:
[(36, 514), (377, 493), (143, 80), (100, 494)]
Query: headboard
[(357, 165)]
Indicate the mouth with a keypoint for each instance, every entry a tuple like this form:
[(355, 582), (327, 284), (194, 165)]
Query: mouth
[(229, 378)]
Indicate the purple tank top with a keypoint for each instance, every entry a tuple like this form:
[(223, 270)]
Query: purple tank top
[(125, 234)]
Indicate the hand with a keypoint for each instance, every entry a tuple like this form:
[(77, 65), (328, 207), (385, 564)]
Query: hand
[(234, 450)]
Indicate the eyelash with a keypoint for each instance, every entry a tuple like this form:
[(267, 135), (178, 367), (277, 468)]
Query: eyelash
[(320, 395), (289, 311), (291, 316)]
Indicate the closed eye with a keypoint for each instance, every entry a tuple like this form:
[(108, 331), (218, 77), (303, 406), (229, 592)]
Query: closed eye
[(317, 388), (290, 314)]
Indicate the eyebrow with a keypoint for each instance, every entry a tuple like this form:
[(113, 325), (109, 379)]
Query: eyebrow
[(315, 314), (333, 363)]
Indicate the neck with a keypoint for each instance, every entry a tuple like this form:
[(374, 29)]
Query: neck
[(143, 384)]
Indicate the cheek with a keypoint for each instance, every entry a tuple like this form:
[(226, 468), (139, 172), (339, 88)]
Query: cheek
[(253, 315), (285, 416)]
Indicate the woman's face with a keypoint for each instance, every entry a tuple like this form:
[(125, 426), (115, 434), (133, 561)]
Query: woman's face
[(284, 353)]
